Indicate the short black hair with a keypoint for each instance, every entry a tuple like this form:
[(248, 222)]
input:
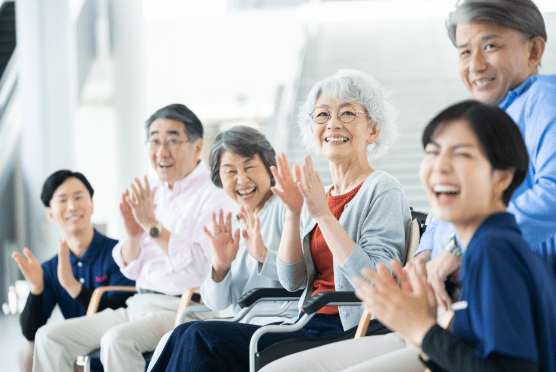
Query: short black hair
[(179, 112), (521, 15), (244, 141), (497, 133), (56, 179)]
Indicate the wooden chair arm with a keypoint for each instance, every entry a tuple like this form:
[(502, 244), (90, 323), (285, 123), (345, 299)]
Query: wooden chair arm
[(186, 299), (363, 324), (97, 294)]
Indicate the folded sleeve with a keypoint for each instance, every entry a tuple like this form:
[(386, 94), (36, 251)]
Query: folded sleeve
[(292, 276), (133, 269)]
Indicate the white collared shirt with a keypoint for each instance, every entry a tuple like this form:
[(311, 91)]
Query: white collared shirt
[(183, 211)]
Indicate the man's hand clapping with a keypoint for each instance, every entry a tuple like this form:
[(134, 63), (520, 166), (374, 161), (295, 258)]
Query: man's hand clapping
[(31, 270)]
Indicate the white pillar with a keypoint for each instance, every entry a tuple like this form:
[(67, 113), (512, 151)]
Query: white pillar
[(129, 97), (46, 101)]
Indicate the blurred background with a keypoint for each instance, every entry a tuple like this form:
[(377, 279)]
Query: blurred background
[(80, 77)]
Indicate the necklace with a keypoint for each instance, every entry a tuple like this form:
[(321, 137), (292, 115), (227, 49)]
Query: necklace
[(347, 187)]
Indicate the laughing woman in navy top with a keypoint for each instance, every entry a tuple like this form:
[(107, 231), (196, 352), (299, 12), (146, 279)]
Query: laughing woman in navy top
[(505, 319)]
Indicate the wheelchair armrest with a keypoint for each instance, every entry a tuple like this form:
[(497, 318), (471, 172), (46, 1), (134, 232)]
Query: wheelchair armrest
[(322, 299), (97, 294), (252, 296)]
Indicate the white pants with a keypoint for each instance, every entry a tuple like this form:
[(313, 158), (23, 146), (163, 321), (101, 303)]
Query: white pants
[(158, 350), (370, 354), (25, 357), (123, 335)]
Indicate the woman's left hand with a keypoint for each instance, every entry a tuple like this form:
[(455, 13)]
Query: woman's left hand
[(410, 310), (312, 189), (252, 234)]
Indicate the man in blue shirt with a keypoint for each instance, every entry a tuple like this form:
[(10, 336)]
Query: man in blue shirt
[(84, 261), (500, 46)]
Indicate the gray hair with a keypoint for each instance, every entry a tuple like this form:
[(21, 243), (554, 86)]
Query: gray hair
[(353, 86), (178, 112), (521, 15), (244, 141)]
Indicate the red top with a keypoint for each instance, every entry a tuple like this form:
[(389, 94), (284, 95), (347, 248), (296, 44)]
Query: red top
[(322, 256)]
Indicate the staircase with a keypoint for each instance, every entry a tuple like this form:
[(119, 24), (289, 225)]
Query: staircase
[(378, 48)]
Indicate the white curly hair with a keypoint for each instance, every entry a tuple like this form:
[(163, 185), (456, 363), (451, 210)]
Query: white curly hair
[(358, 87)]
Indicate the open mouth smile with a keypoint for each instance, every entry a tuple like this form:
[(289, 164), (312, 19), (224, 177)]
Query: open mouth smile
[(482, 82), (445, 194), (245, 193), (336, 139)]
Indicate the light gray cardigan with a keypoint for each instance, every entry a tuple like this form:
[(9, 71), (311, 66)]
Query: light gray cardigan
[(377, 219)]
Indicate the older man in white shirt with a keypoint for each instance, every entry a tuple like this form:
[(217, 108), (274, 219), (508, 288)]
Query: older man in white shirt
[(164, 249)]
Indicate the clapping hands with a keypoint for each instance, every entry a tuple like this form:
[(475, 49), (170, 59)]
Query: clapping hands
[(408, 307)]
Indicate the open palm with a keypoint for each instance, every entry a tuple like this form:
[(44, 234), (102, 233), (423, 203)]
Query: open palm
[(224, 244)]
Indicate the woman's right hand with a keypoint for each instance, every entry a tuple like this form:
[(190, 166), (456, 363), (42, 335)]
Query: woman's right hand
[(225, 245), (286, 185), (31, 270)]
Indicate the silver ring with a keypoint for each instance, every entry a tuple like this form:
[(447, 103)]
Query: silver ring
[(309, 186)]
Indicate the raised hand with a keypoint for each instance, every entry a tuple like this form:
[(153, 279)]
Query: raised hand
[(31, 270), (252, 234), (286, 187), (312, 190), (133, 229), (224, 244), (411, 313), (141, 202), (65, 273)]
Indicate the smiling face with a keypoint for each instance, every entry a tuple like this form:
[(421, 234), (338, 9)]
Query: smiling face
[(338, 140), (172, 162), (71, 207), (245, 180), (458, 178), (494, 59)]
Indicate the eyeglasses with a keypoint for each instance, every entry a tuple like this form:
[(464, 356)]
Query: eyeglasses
[(321, 115), (171, 144)]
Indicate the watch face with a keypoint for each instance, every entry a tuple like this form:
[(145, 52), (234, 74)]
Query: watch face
[(154, 232)]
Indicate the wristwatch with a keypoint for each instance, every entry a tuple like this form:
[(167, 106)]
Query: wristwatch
[(453, 247), (155, 230)]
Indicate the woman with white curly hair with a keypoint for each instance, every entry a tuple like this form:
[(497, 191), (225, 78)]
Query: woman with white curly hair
[(359, 221)]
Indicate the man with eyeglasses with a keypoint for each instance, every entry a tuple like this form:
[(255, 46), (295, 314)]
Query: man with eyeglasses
[(164, 249)]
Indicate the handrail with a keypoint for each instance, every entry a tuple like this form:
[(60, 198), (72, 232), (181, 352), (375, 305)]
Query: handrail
[(9, 132), (8, 82)]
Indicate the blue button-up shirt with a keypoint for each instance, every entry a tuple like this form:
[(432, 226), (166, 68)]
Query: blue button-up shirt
[(532, 105)]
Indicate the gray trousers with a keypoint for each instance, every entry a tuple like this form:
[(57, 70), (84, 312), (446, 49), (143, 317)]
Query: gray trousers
[(367, 354), (123, 335)]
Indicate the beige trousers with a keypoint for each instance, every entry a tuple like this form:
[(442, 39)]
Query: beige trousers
[(123, 335), (25, 358), (369, 354)]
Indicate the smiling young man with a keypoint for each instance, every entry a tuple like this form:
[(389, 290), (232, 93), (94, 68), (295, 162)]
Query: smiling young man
[(164, 249), (84, 261), (500, 45)]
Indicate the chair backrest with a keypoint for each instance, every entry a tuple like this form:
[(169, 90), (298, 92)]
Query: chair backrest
[(416, 229)]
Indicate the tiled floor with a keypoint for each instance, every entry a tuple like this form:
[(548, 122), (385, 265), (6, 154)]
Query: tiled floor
[(11, 340)]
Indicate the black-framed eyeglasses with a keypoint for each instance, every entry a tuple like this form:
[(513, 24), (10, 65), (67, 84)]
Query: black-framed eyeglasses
[(171, 144), (347, 114)]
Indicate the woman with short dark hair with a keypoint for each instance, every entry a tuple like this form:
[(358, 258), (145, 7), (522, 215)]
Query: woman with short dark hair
[(504, 320)]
